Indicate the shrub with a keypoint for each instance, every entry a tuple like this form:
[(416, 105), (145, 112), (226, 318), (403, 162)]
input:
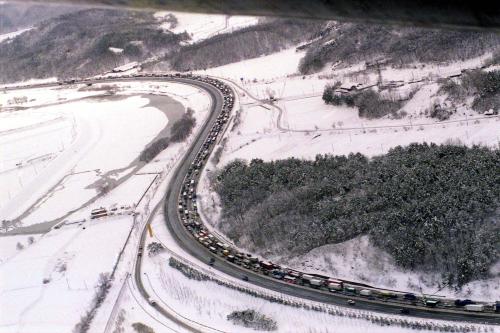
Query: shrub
[(437, 111), (252, 319), (183, 127), (368, 102), (142, 328)]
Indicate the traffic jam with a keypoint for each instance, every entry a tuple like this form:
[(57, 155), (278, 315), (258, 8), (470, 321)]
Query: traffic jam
[(188, 214)]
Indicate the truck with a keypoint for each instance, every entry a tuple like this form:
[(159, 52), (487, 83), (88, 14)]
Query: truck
[(334, 286), (306, 278), (365, 292), (388, 294), (266, 266), (350, 289), (474, 307), (431, 303), (316, 283)]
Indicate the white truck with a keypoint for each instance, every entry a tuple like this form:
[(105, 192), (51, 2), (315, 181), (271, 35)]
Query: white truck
[(332, 286), (474, 307), (365, 292), (316, 283)]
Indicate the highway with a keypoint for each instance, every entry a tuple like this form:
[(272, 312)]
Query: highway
[(194, 248)]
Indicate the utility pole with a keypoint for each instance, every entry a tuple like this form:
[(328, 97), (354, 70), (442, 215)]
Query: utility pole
[(379, 73)]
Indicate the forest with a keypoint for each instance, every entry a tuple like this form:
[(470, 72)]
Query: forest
[(78, 44), (432, 207)]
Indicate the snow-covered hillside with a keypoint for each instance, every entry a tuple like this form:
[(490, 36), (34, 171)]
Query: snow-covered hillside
[(202, 26)]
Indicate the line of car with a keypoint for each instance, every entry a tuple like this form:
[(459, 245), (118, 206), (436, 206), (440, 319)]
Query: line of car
[(188, 214)]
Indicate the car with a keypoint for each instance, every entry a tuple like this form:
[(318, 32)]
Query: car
[(151, 302), (464, 302), (404, 311), (211, 261), (351, 302), (244, 278)]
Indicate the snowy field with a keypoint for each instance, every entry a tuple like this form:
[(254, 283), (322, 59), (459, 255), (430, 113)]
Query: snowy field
[(269, 67), (67, 150), (202, 26), (62, 267), (59, 272)]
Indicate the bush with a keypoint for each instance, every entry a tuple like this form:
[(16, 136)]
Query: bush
[(368, 102), (154, 248), (483, 86), (252, 319), (431, 207), (437, 111), (330, 96), (183, 127), (142, 328)]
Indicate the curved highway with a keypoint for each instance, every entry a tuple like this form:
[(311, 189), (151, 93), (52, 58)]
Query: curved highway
[(194, 248), (190, 245)]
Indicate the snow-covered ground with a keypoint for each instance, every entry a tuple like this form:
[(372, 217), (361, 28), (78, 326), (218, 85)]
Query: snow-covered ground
[(205, 304), (70, 258), (63, 144), (267, 67), (359, 260), (10, 35), (65, 148), (202, 26)]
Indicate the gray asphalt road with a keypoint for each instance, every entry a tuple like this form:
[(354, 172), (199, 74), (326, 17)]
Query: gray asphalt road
[(190, 245)]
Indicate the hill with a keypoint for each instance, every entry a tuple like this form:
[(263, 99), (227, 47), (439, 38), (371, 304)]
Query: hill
[(84, 43), (433, 208)]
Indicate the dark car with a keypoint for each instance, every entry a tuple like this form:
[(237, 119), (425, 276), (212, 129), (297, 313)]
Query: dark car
[(211, 261), (245, 278), (463, 302), (404, 311), (410, 296)]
